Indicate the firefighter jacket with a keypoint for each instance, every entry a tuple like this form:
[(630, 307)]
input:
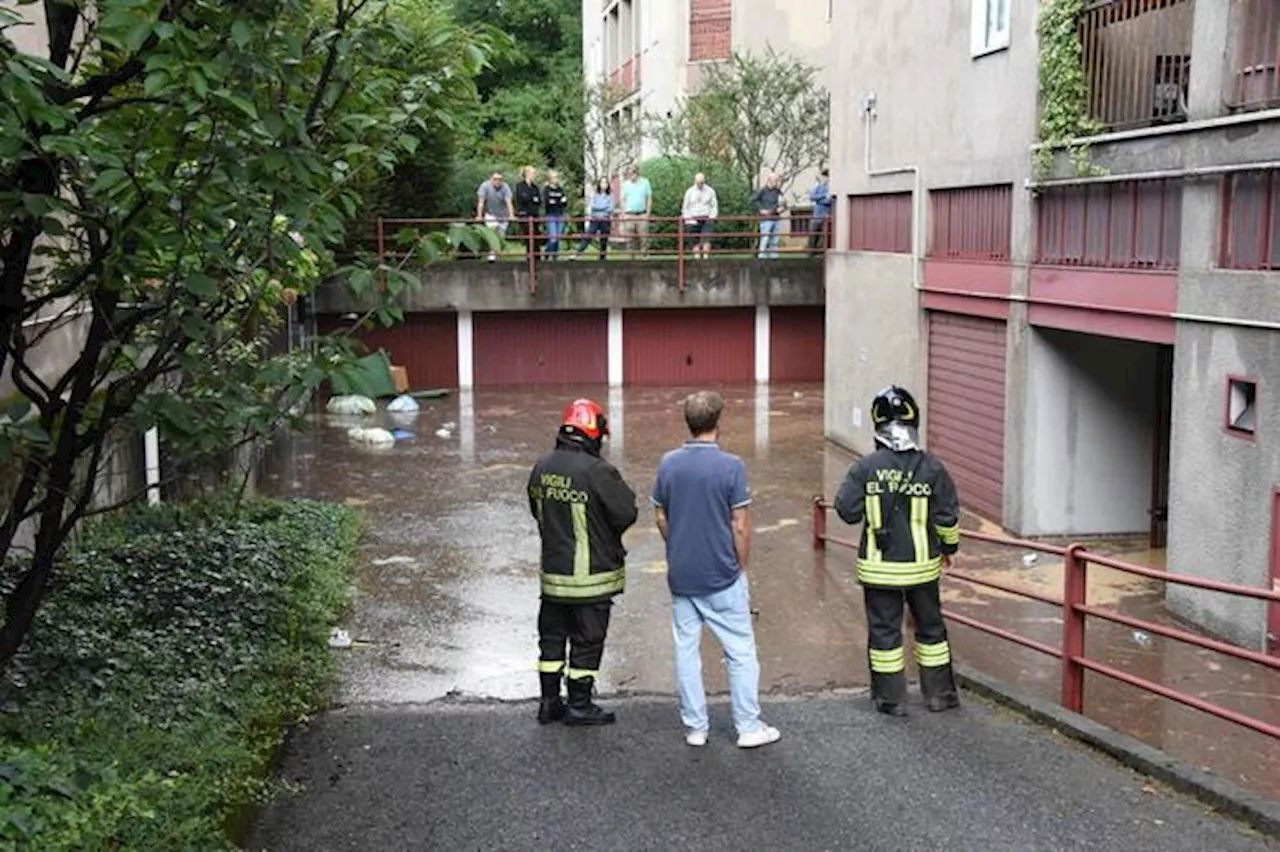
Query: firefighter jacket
[(911, 514), (582, 506)]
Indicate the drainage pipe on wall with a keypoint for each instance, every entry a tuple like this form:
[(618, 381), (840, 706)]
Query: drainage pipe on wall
[(1166, 174), (917, 194)]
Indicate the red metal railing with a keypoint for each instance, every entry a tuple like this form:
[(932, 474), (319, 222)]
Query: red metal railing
[(1126, 225), (1137, 60), (1076, 610), (1251, 220), (1256, 81), (971, 223), (651, 238), (880, 222)]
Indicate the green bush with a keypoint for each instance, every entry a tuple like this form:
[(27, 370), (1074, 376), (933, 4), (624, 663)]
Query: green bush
[(160, 676), (671, 176)]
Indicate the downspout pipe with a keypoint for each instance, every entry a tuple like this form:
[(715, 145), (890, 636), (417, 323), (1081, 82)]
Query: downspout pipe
[(917, 194)]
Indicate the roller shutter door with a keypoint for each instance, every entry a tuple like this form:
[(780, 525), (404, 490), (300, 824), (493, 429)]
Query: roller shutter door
[(966, 406), (796, 343), (425, 344), (520, 348), (688, 347)]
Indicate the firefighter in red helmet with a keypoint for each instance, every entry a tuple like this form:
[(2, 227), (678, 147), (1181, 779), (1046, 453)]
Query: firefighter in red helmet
[(906, 502), (582, 506)]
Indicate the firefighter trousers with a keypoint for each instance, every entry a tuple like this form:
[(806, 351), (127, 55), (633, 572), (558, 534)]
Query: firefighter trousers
[(886, 653), (583, 627)]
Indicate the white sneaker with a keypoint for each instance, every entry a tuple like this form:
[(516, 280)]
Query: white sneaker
[(763, 736), (697, 739)]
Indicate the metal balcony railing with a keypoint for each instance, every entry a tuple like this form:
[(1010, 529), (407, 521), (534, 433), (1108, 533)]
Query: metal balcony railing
[(1137, 61), (1255, 82)]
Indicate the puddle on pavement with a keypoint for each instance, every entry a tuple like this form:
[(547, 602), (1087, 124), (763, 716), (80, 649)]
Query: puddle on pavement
[(448, 599)]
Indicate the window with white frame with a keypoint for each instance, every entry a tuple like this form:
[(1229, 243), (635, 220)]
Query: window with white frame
[(990, 30)]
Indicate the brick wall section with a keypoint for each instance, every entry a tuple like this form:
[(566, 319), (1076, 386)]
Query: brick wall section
[(710, 29)]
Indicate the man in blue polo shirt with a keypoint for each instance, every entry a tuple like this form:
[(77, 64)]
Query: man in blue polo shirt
[(703, 503)]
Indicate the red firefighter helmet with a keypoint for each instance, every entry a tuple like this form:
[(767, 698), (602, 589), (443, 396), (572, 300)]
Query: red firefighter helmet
[(586, 416)]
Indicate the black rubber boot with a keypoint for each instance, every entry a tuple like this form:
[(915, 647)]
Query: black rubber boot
[(582, 710), (889, 708), (938, 684), (889, 693), (551, 708)]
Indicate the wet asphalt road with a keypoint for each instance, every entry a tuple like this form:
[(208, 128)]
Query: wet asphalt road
[(487, 777), (446, 608)]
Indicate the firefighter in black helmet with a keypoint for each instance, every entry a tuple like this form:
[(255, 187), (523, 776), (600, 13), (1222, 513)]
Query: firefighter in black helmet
[(907, 504), (582, 506)]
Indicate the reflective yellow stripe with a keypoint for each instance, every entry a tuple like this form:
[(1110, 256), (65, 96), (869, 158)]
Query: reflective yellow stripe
[(876, 573), (573, 587), (537, 507), (949, 535), (937, 654), (583, 674), (551, 666), (581, 541), (887, 662), (873, 524), (920, 527)]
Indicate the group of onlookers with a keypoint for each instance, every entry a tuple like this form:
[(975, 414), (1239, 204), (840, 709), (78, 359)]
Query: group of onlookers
[(530, 205)]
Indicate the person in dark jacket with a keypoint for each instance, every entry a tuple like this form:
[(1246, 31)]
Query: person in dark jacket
[(528, 199), (582, 506), (910, 515), (555, 203)]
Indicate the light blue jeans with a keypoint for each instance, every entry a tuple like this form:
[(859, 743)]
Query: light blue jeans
[(728, 614), (555, 229), (770, 230)]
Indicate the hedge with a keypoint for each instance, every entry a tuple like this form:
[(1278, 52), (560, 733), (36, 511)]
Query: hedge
[(163, 670)]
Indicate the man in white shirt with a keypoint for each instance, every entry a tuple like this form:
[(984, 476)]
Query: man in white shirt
[(699, 212)]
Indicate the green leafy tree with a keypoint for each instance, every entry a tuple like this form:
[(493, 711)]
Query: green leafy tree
[(612, 142), (173, 173), (671, 176), (531, 110), (756, 114)]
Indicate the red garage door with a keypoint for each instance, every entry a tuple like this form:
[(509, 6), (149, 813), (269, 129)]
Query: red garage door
[(687, 347), (541, 347), (966, 406), (796, 343), (425, 344)]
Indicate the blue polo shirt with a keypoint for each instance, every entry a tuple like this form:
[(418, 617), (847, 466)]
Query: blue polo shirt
[(699, 486)]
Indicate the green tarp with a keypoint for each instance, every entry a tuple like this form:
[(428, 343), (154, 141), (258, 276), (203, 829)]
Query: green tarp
[(370, 376)]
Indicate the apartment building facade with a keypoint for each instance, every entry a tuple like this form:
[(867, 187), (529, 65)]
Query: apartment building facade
[(657, 51), (1099, 354)]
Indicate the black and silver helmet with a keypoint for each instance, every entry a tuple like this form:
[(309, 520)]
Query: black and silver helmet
[(896, 418)]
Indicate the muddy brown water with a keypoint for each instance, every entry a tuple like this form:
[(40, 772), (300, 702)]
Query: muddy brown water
[(449, 593)]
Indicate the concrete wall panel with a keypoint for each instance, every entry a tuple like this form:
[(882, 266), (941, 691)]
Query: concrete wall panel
[(1221, 484), (873, 339), (1088, 446)]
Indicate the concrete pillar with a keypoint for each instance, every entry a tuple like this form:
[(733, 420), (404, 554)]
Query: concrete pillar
[(467, 422), (762, 420), (762, 343), (1211, 31), (615, 347), (466, 352), (617, 423)]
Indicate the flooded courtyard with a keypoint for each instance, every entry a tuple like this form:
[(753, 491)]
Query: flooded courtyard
[(448, 598)]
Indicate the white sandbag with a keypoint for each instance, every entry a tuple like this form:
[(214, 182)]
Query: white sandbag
[(403, 403), (374, 436), (351, 404)]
